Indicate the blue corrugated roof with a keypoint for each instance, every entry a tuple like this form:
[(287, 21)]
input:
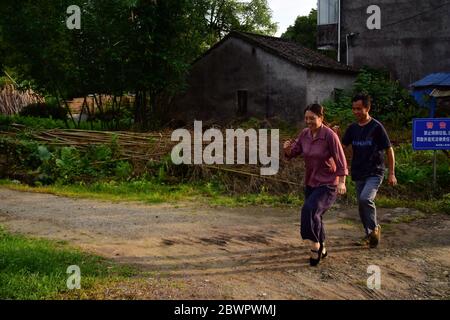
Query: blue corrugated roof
[(434, 79)]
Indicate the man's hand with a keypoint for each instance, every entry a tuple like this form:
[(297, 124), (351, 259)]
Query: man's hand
[(391, 159), (392, 180)]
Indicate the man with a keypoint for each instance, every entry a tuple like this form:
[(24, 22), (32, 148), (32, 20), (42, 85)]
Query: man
[(369, 141)]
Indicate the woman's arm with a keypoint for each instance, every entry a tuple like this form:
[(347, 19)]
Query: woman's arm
[(338, 155), (293, 149), (341, 188)]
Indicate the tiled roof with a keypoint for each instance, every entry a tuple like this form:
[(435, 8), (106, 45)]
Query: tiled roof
[(293, 52)]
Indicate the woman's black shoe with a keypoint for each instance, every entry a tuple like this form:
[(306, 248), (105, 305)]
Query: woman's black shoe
[(314, 262), (324, 255)]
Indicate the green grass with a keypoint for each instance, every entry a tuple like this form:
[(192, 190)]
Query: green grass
[(409, 218), (154, 192), (36, 269), (36, 123), (349, 222), (427, 206)]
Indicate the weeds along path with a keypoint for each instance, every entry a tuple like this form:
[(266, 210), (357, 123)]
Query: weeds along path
[(241, 253)]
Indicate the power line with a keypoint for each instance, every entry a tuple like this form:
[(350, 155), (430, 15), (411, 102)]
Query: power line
[(409, 18), (418, 15)]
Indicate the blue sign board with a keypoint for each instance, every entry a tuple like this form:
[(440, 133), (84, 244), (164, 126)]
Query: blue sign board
[(431, 134)]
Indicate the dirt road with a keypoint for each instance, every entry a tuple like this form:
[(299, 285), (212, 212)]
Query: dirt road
[(200, 252)]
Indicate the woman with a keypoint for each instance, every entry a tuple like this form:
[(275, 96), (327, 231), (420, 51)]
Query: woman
[(326, 171)]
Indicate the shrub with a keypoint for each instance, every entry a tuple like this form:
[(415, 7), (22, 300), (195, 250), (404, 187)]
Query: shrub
[(414, 171), (65, 165), (31, 122), (391, 103), (44, 110)]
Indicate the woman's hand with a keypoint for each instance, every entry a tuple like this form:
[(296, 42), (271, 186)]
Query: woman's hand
[(341, 188), (287, 146)]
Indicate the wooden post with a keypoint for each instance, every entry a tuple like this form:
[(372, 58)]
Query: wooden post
[(434, 170)]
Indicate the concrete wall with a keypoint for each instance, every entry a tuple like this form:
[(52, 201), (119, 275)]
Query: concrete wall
[(275, 87), (321, 84), (409, 48)]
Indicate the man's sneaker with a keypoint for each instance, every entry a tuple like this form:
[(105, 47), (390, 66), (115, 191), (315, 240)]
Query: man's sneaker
[(374, 237), (364, 242)]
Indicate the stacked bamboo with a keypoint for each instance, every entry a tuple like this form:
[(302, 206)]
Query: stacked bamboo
[(132, 146), (144, 148), (12, 101)]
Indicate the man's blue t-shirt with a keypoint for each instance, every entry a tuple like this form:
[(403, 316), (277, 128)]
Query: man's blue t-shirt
[(368, 144)]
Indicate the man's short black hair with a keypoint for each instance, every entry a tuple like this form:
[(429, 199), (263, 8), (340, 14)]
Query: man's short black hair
[(364, 97)]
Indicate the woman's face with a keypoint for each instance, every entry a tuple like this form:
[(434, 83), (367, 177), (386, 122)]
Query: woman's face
[(312, 120)]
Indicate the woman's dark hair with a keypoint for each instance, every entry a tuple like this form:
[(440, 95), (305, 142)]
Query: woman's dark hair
[(364, 97), (317, 109)]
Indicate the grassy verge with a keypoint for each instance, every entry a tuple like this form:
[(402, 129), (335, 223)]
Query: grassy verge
[(36, 269), (152, 192), (427, 206)]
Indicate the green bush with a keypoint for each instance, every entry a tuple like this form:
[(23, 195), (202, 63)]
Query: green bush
[(339, 111), (31, 122), (44, 110), (445, 205), (65, 165), (414, 171), (21, 153), (36, 123), (391, 103)]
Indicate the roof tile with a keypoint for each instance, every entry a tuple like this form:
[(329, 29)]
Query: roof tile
[(294, 52)]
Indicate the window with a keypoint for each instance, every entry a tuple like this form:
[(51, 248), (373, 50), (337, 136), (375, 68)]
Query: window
[(328, 11), (242, 96)]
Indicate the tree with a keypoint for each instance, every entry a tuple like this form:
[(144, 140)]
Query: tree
[(140, 46), (37, 47), (304, 30), (143, 47), (223, 16)]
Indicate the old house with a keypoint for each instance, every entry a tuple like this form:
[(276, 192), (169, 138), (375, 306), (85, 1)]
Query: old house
[(252, 75), (409, 38)]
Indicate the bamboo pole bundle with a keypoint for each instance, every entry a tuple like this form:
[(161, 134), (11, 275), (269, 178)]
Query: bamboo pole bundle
[(144, 148), (12, 101)]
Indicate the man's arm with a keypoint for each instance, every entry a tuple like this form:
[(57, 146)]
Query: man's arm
[(391, 160)]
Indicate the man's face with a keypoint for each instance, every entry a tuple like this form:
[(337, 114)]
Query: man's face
[(360, 111)]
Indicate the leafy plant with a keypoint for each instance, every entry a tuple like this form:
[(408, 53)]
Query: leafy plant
[(391, 103), (44, 110)]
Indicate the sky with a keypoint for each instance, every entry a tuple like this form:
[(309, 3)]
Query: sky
[(286, 11)]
